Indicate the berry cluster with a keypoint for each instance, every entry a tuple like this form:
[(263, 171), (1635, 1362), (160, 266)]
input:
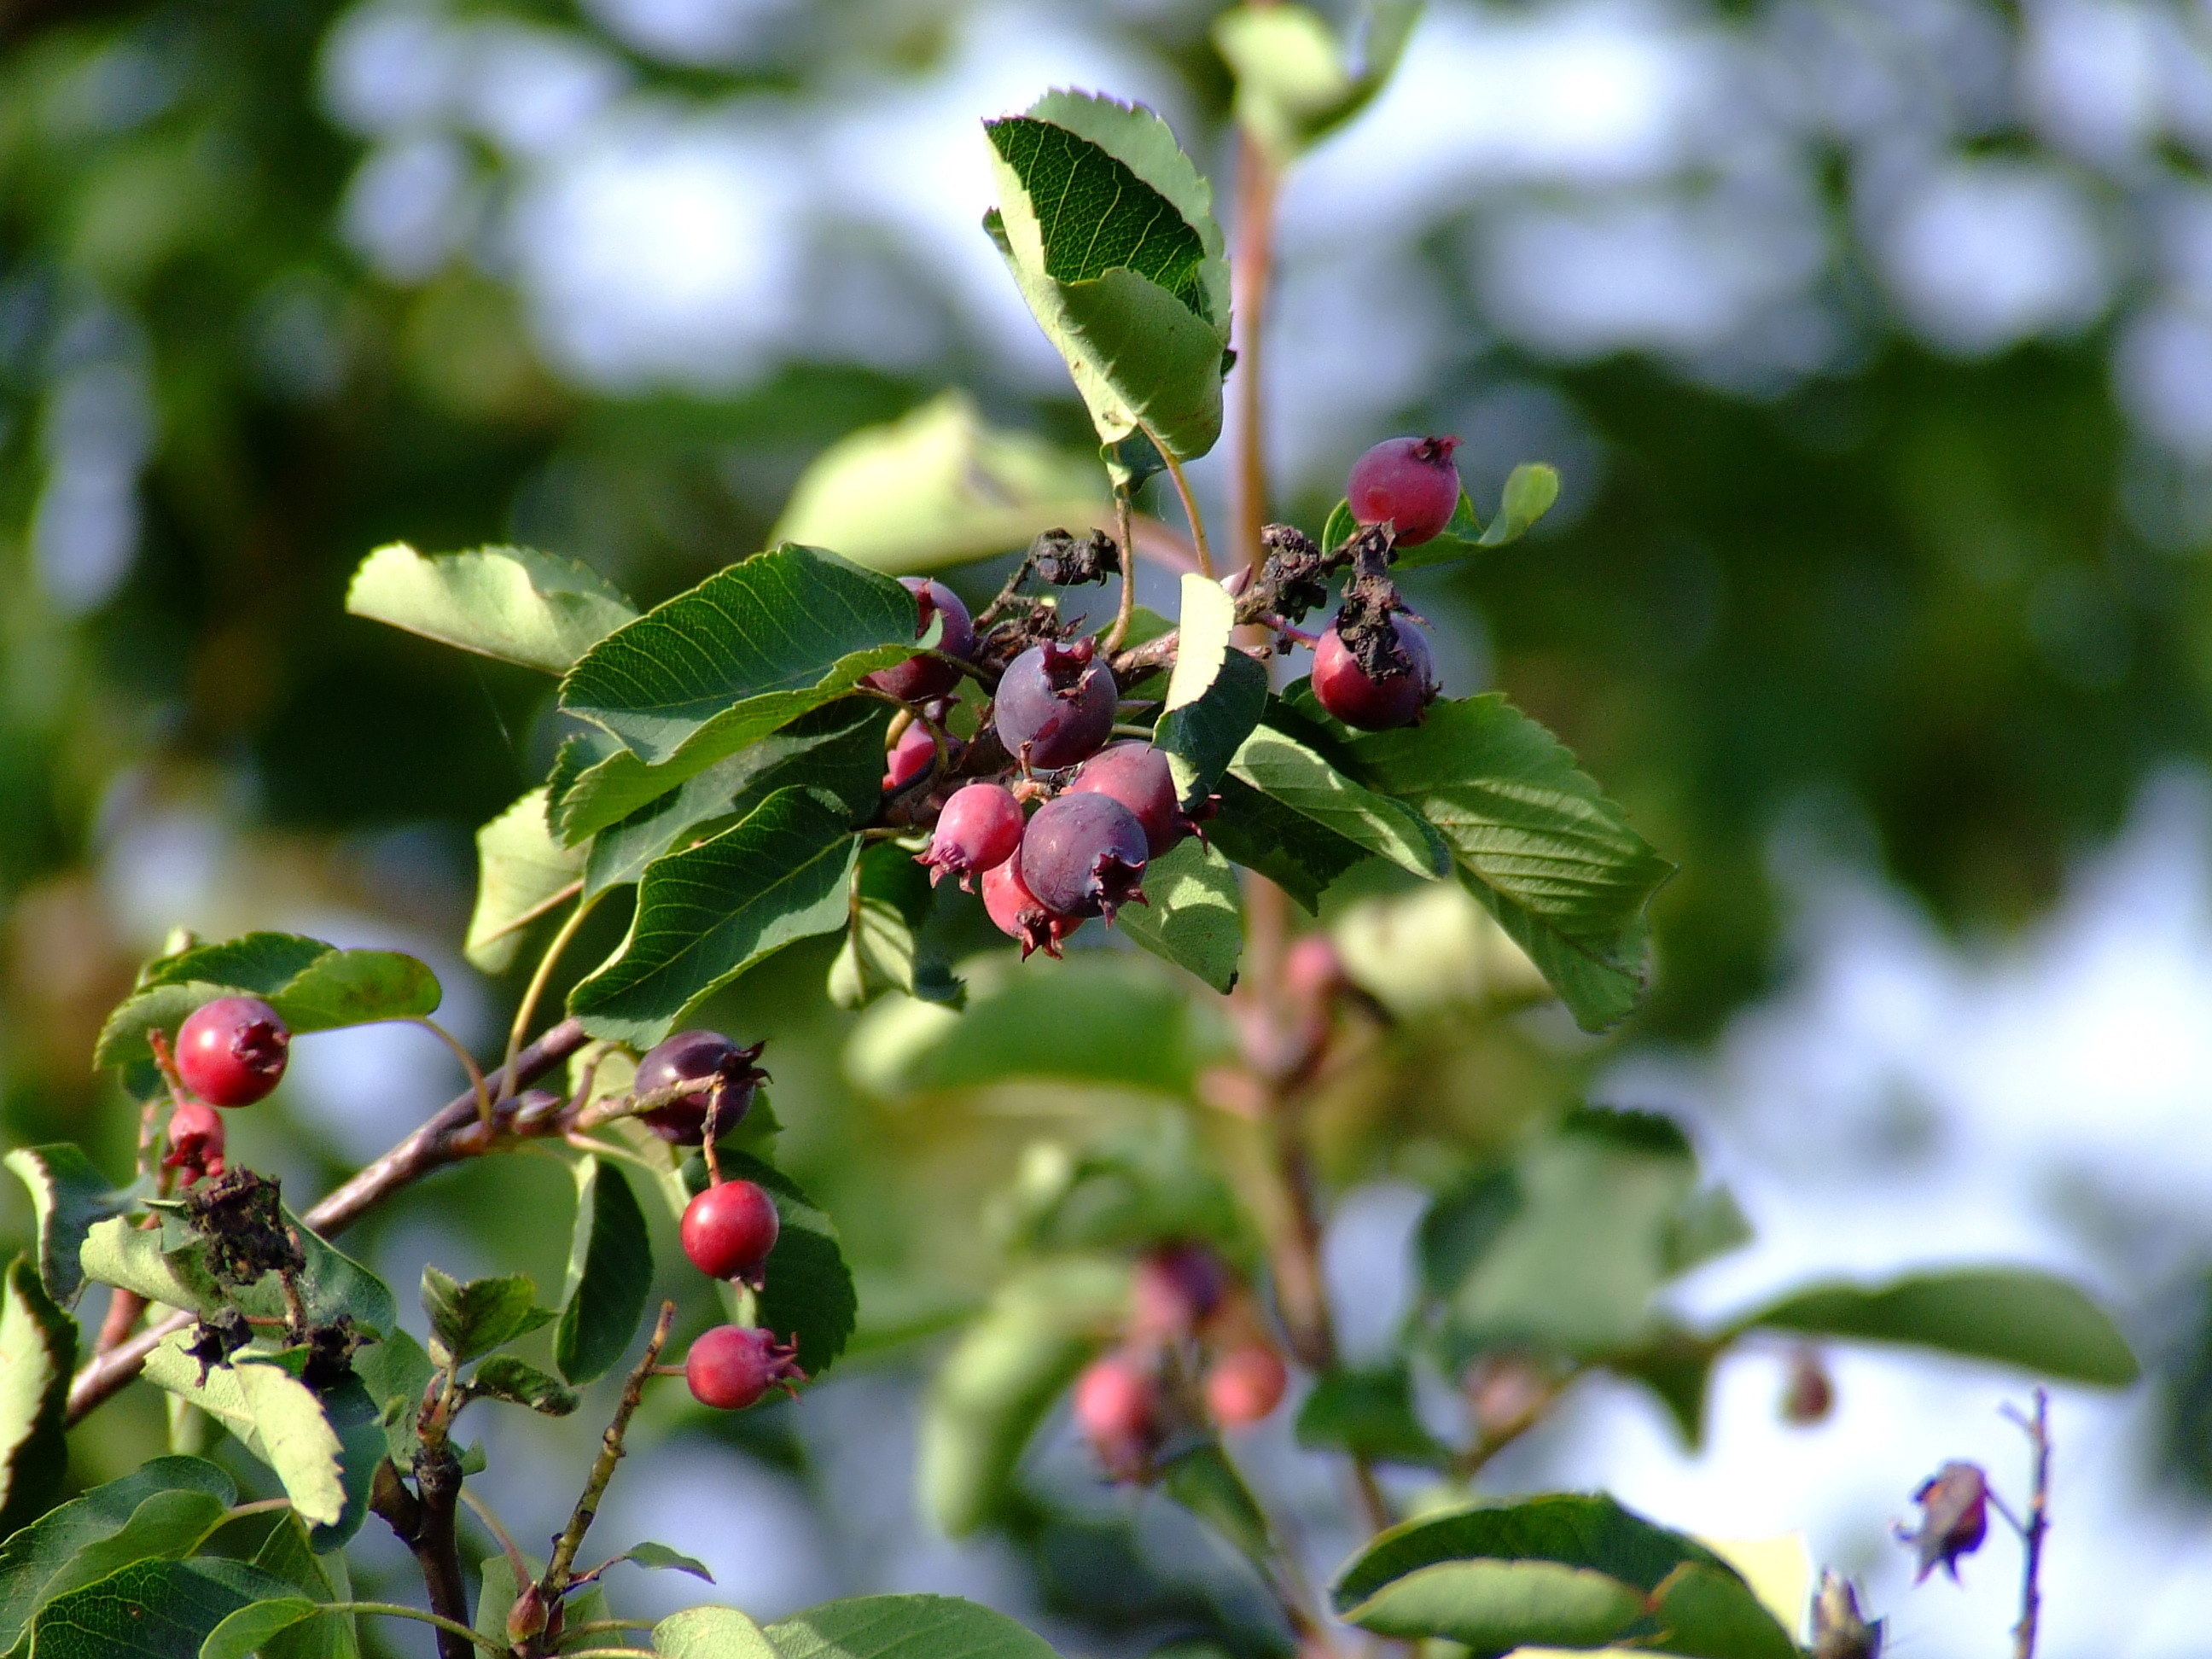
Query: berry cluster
[(229, 1052), (1195, 1351), (728, 1230), (1103, 809)]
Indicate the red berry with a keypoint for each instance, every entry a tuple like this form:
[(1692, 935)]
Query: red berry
[(1245, 1384), (1175, 1290), (729, 1230), (714, 1062), (1084, 855), (1019, 915), (919, 678), (733, 1365), (232, 1051), (908, 757), (1055, 705), (1118, 1410), (979, 830), (1373, 703), (1136, 774), (1409, 482), (195, 1141)]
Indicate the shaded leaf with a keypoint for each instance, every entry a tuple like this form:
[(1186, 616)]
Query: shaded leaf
[(1144, 1182), (1192, 913), (936, 487), (1369, 1413), (903, 1627), (1295, 777), (661, 1557), (38, 1350), (68, 1195), (994, 1387), (2014, 1315), (149, 1610), (706, 915), (522, 870), (288, 1552), (1215, 695), (473, 1319), (502, 1376), (33, 1560), (609, 1273), (1204, 1481), (1300, 856), (246, 1632), (879, 953), (512, 603), (1554, 860)]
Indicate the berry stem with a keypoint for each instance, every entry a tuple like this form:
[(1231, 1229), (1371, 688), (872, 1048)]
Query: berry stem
[(446, 1627), (545, 906), (483, 1512), (468, 1064), (555, 1584), (1189, 507), (1128, 605), (936, 736), (536, 990)]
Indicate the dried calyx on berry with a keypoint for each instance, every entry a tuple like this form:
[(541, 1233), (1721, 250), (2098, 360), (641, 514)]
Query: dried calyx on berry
[(1019, 915), (331, 1349), (732, 1366), (1840, 1631), (1055, 705), (241, 1216), (1085, 856), (1062, 559), (1294, 577), (232, 1051)]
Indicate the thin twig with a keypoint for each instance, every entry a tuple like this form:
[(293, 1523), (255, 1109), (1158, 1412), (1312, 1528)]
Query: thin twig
[(447, 1137), (555, 1584), (468, 1064), (536, 989), (1189, 509), (483, 1512), (394, 1610), (2038, 1430), (937, 736), (1128, 606), (545, 906)]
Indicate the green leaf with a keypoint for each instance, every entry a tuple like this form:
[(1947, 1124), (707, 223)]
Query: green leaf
[(38, 1349), (166, 1526), (1553, 859), (999, 1379), (1142, 1183), (511, 603), (119, 1252), (2014, 1315), (149, 1610), (246, 1632), (937, 487), (396, 1372), (1192, 913), (1568, 1571), (711, 1633), (32, 1561), (277, 1416), (1294, 83), (749, 649), (808, 1296), (1140, 1030), (1295, 777), (706, 915), (1369, 1413), (1215, 695), (1597, 1223), (68, 1196), (878, 955), (610, 1272), (1300, 856), (315, 987), (1204, 1481), (166, 1266), (901, 1627), (502, 1376), (1530, 490), (836, 751), (289, 1553), (659, 1556), (473, 1319), (521, 870), (1109, 232)]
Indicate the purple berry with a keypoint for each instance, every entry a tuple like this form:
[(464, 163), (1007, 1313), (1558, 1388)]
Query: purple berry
[(1017, 914), (1136, 774), (979, 830), (732, 1366), (1410, 483), (708, 1057), (1370, 702), (908, 757), (919, 679), (1084, 855), (1055, 705)]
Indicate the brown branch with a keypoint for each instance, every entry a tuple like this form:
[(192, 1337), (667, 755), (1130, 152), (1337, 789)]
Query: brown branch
[(448, 1137), (425, 1525), (2032, 1531)]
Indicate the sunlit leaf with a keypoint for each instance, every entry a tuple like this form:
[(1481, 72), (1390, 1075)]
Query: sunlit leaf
[(521, 871), (512, 603), (38, 1348)]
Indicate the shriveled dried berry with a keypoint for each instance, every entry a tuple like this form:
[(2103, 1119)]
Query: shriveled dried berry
[(240, 1217), (713, 1061)]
